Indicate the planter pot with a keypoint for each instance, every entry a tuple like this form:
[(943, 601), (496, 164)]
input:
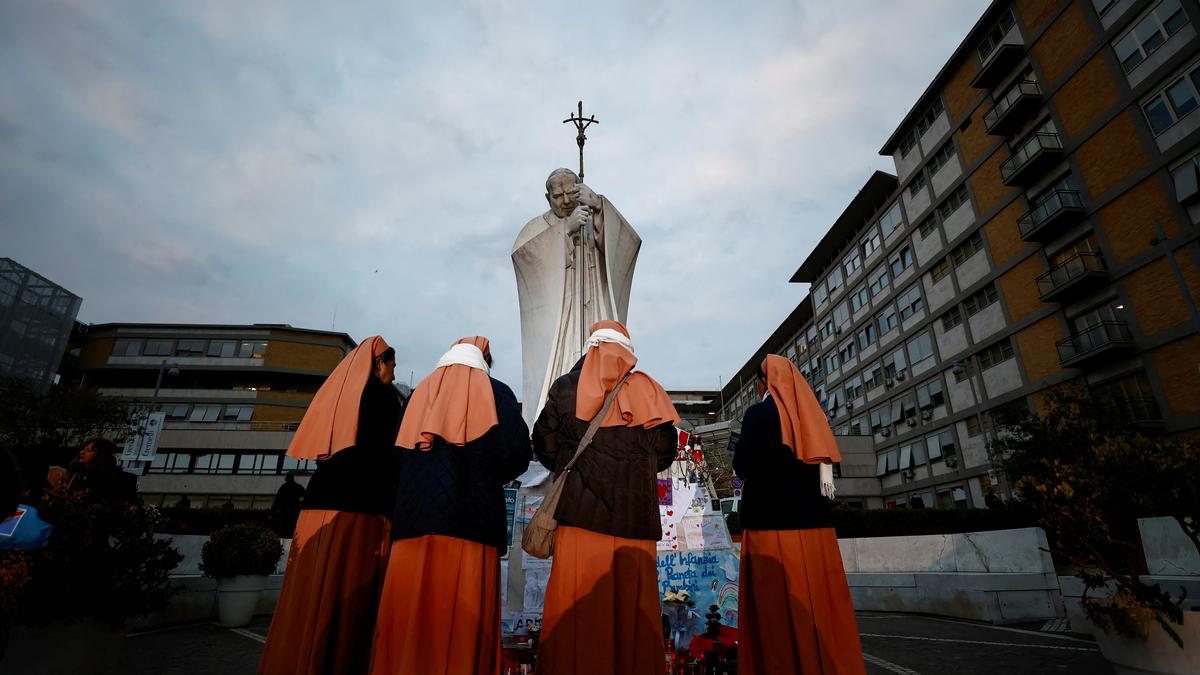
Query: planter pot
[(1156, 653), (87, 647), (237, 597)]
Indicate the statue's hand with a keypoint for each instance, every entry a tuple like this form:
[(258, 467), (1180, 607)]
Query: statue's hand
[(588, 198), (578, 218)]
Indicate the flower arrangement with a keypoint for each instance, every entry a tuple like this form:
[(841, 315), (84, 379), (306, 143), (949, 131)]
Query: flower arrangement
[(246, 548)]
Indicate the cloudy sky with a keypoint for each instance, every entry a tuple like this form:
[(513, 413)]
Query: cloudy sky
[(367, 165)]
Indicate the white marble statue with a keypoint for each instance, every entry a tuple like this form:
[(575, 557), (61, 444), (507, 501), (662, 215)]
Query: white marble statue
[(582, 230)]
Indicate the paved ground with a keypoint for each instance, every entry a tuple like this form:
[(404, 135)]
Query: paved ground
[(892, 644)]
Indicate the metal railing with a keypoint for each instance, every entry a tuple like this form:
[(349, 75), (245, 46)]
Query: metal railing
[(1037, 143), (1015, 93), (1049, 205), (1070, 270), (1092, 338)]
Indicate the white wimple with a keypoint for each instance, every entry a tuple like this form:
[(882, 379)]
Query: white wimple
[(464, 355), (608, 335)]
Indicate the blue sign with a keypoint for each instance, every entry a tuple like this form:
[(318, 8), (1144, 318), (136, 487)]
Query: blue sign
[(510, 510)]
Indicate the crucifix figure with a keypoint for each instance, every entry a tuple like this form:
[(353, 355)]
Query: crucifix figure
[(574, 266)]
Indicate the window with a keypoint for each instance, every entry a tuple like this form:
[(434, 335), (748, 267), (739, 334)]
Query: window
[(951, 318), (894, 363), (941, 157), (1102, 6), (870, 244), (811, 334), (910, 302), (867, 336), (215, 463), (205, 413), (939, 270), (995, 36), (927, 227), (252, 350), (859, 298), (854, 388), (1186, 177), (259, 464), (997, 353), (190, 348), (877, 281), (833, 361), (848, 350), (127, 348), (951, 203), (891, 220), (225, 349), (930, 394), (940, 445), (973, 429), (1150, 33), (169, 462), (906, 143), (963, 252), (858, 425), (841, 315), (919, 181), (1175, 102), (887, 320), (175, 411), (930, 116), (159, 347), (920, 348), (881, 418), (979, 300), (238, 413), (902, 260), (302, 465), (853, 263), (873, 375), (819, 293)]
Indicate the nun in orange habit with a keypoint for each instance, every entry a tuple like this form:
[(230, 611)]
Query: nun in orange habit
[(795, 613), (462, 439), (602, 613), (326, 611)]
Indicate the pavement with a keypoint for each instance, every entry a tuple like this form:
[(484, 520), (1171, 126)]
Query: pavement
[(893, 644)]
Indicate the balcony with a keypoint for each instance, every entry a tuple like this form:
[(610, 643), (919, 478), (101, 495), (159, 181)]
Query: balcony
[(1012, 108), (1101, 339), (1040, 152), (1056, 210), (1077, 273), (998, 63)]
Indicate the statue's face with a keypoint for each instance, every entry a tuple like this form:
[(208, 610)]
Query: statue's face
[(563, 195)]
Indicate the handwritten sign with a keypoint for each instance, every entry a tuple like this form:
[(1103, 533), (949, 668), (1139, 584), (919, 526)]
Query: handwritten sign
[(710, 577)]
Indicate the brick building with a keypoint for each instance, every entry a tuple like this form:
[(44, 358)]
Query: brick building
[(1017, 246)]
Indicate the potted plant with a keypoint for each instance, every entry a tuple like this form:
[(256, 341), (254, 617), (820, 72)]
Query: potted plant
[(1088, 474), (67, 605), (240, 557)]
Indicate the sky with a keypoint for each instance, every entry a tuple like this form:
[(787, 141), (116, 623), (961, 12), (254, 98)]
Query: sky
[(366, 166)]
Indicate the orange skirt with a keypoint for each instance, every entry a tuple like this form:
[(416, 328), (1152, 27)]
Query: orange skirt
[(795, 613), (326, 611), (440, 611), (602, 615)]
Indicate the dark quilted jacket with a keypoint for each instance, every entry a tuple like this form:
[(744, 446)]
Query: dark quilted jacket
[(459, 491), (613, 488)]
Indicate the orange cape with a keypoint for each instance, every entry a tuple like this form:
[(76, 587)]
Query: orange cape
[(454, 403), (642, 402), (803, 424), (331, 422)]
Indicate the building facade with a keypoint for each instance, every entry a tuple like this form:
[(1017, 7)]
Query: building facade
[(1040, 229), (233, 398), (36, 317)]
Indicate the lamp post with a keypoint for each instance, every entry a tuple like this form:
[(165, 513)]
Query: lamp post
[(962, 367)]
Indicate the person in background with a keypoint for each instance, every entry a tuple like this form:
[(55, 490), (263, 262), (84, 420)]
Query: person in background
[(795, 613), (20, 525), (286, 507), (95, 472), (462, 439), (325, 617), (602, 613)]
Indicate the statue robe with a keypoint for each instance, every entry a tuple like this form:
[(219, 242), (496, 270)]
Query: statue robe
[(551, 326)]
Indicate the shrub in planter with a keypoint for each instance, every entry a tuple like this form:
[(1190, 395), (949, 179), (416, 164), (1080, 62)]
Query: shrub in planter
[(242, 549), (1088, 475)]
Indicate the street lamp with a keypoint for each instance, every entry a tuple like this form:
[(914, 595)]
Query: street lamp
[(962, 367)]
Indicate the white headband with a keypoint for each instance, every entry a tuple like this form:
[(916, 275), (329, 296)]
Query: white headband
[(608, 335), (464, 355)]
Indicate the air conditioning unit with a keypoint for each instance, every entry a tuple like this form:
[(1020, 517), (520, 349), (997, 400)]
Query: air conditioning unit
[(850, 407), (900, 376), (885, 432), (837, 331), (912, 421), (888, 383), (951, 461), (907, 474), (926, 415)]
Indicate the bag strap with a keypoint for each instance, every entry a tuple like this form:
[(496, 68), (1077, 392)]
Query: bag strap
[(595, 424)]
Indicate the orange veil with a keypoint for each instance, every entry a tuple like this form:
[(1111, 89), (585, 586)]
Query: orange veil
[(803, 423), (455, 402), (642, 402), (331, 422)]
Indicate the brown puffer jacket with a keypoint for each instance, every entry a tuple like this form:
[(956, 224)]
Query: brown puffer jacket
[(612, 489)]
